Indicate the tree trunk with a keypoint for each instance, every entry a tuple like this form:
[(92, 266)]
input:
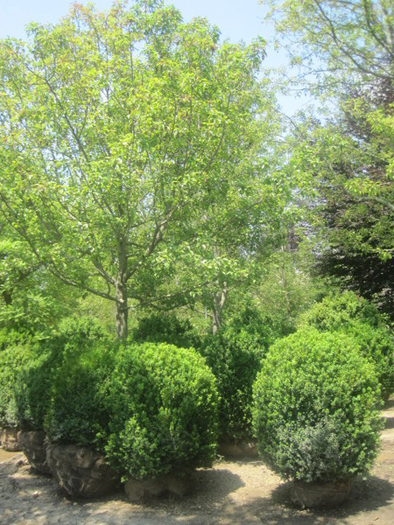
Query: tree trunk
[(217, 320), (122, 311), (219, 300)]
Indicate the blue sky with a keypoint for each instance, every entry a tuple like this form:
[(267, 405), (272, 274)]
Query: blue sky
[(237, 20)]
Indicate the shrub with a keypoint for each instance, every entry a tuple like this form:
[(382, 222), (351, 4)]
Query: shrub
[(166, 328), (12, 360), (77, 411), (12, 337), (338, 310), (234, 355), (78, 333), (32, 390), (315, 407), (377, 345), (54, 369), (356, 317), (163, 403)]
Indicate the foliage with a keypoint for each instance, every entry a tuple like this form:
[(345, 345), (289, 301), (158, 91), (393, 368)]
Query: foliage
[(79, 332), (12, 337), (315, 407), (286, 287), (31, 300), (119, 131), (345, 163), (77, 411), (361, 320), (337, 311), (163, 404), (234, 355), (55, 370), (352, 39), (12, 360), (166, 328)]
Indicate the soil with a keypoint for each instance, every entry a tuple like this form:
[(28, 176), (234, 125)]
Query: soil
[(238, 492)]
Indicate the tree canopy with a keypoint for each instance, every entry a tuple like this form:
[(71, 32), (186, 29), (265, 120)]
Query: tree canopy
[(118, 130)]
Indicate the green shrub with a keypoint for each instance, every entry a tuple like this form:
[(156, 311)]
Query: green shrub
[(32, 390), (12, 360), (315, 407), (338, 310), (11, 337), (77, 411), (78, 333), (163, 404), (53, 370), (356, 317), (234, 355), (377, 345), (165, 328)]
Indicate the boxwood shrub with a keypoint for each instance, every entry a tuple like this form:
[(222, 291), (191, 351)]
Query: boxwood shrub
[(315, 407), (12, 360), (163, 411), (338, 310), (77, 411), (355, 316), (234, 355), (54, 369)]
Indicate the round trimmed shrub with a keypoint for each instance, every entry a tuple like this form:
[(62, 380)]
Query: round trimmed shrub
[(376, 344), (358, 318), (338, 310), (315, 407), (163, 404)]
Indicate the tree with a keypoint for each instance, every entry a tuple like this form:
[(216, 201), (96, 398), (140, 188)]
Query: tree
[(346, 163), (117, 129), (338, 41), (30, 298)]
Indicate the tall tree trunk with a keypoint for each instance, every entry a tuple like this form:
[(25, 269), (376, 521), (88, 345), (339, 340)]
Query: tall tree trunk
[(217, 320), (122, 311), (219, 300)]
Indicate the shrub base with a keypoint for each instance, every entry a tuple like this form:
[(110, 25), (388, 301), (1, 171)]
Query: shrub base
[(80, 471), (320, 494), (9, 440), (34, 447)]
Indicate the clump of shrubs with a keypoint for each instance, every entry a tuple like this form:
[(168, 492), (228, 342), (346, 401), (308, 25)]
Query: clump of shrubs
[(315, 407), (353, 315), (163, 404), (151, 409)]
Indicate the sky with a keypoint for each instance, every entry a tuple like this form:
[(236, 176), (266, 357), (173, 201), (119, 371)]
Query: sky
[(237, 20)]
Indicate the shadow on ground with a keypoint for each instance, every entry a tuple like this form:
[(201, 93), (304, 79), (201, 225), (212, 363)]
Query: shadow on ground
[(389, 423), (389, 404), (366, 496)]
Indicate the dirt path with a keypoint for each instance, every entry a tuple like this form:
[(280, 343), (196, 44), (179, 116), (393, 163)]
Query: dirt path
[(230, 493)]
